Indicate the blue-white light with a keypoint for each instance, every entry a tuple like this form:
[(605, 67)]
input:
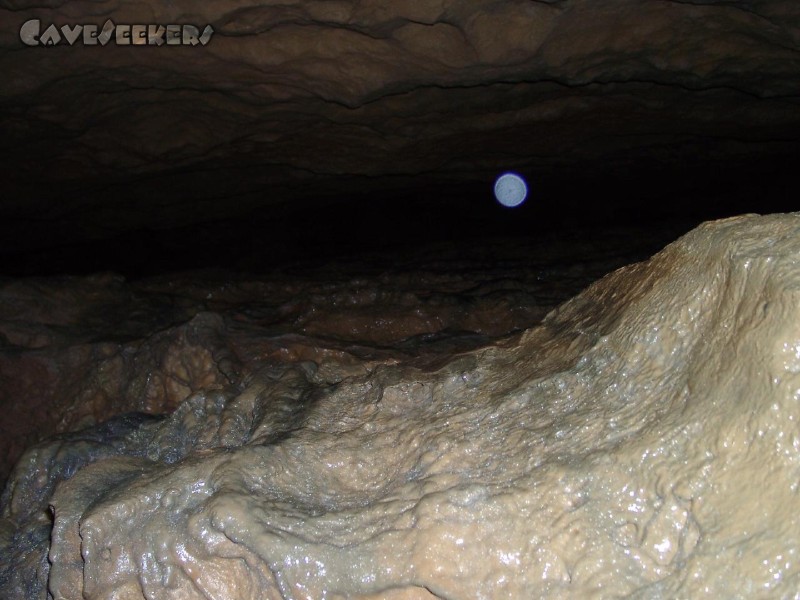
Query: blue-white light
[(510, 190)]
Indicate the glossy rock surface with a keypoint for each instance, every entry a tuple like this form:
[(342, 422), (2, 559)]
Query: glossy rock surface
[(642, 439)]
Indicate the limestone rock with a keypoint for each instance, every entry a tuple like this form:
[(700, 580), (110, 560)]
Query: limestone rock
[(642, 440)]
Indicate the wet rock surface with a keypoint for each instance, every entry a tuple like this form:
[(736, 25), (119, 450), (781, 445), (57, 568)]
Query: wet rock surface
[(641, 439), (76, 350)]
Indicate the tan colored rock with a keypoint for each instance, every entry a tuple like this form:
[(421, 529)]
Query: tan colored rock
[(642, 441)]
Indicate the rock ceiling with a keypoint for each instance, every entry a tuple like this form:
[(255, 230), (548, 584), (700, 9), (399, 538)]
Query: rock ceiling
[(307, 100)]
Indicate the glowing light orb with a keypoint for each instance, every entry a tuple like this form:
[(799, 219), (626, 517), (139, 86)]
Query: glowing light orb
[(510, 190)]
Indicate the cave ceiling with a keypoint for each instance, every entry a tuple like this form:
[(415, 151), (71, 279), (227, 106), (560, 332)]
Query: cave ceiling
[(287, 104)]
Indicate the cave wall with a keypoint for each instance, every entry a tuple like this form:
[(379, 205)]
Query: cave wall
[(401, 405), (641, 440)]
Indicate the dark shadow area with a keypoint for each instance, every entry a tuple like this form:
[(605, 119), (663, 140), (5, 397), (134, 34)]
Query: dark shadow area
[(393, 218)]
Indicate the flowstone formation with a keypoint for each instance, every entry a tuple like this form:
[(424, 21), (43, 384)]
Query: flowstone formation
[(642, 440)]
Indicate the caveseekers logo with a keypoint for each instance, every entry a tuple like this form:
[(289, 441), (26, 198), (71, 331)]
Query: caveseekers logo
[(31, 34)]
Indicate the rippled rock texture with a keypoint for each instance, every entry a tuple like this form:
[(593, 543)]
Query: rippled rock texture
[(306, 99), (641, 440)]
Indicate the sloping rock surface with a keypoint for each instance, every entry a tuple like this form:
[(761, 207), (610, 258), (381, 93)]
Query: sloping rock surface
[(642, 440)]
